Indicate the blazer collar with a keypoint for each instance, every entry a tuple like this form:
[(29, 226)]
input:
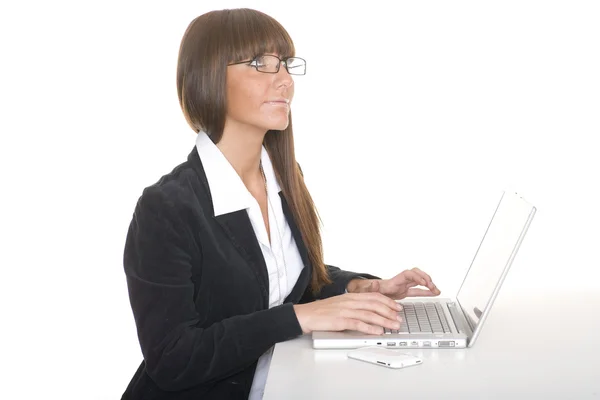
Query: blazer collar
[(238, 228)]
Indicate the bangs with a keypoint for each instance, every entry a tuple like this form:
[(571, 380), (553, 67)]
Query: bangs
[(254, 33), (211, 42)]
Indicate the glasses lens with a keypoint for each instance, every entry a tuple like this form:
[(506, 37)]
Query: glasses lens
[(267, 63), (296, 66)]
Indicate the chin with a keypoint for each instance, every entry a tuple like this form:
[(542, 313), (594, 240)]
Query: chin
[(276, 126), (279, 127)]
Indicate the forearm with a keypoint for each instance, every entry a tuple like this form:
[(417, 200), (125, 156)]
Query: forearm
[(341, 281), (353, 285), (180, 349), (195, 355)]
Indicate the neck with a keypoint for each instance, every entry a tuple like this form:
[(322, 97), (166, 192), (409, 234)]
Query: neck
[(242, 147)]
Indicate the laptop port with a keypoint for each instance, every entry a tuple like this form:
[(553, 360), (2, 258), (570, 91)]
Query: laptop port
[(391, 343), (446, 343), (402, 343), (427, 344), (414, 343)]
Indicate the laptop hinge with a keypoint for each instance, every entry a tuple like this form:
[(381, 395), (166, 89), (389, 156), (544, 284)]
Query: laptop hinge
[(458, 314)]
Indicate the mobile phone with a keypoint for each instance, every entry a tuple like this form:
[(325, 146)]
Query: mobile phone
[(385, 357)]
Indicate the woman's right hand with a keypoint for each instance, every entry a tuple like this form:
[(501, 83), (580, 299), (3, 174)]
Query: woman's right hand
[(364, 312)]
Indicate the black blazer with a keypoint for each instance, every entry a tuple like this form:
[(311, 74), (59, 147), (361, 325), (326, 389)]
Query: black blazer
[(198, 288)]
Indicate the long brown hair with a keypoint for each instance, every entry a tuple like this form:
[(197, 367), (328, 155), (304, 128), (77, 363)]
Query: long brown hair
[(210, 42)]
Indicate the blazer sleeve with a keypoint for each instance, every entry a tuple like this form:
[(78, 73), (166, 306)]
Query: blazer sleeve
[(178, 353)]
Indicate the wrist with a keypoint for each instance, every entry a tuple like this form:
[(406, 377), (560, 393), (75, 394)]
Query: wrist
[(298, 309), (353, 285)]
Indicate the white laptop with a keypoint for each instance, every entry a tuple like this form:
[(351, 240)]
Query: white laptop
[(430, 322)]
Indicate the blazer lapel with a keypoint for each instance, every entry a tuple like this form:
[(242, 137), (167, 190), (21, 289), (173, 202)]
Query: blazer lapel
[(238, 229)]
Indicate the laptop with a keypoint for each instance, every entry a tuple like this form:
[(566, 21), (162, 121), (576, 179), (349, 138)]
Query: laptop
[(430, 322)]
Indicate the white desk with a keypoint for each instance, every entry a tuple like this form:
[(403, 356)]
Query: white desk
[(554, 355)]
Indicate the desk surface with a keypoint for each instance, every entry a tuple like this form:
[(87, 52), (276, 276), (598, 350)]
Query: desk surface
[(520, 354)]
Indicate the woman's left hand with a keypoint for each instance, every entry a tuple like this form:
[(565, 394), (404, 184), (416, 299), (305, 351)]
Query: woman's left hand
[(398, 287)]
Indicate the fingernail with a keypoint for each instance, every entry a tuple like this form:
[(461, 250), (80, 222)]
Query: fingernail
[(399, 306), (399, 318)]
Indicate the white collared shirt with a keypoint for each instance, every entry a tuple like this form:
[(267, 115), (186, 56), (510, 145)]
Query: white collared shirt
[(282, 257)]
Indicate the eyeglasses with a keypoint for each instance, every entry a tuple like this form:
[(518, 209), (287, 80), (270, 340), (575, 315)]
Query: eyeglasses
[(270, 64)]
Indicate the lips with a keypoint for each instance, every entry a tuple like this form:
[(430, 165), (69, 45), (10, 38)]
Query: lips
[(284, 101), (279, 104)]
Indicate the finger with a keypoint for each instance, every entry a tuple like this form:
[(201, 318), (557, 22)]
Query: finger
[(415, 277), (375, 306), (372, 318), (423, 274), (419, 276), (415, 292), (360, 326), (430, 283), (390, 303)]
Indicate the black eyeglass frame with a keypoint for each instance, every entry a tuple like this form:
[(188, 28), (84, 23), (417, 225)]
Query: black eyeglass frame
[(249, 62)]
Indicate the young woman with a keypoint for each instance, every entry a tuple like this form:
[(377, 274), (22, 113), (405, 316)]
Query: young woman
[(223, 256)]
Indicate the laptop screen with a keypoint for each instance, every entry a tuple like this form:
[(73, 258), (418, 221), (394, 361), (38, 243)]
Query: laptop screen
[(494, 256)]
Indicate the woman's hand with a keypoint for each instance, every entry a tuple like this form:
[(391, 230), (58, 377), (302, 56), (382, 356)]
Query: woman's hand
[(399, 287), (363, 312)]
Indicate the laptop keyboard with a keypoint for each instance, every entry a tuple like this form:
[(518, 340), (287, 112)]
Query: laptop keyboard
[(420, 317)]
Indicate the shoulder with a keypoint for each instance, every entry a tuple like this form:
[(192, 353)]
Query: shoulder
[(177, 190)]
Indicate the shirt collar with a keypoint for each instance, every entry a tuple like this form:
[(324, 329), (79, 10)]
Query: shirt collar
[(228, 192)]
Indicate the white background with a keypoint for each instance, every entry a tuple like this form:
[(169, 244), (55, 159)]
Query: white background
[(409, 124)]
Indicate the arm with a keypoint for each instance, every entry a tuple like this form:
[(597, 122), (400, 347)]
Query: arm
[(340, 279), (179, 354)]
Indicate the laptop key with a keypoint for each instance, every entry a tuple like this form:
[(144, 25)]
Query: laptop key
[(442, 317)]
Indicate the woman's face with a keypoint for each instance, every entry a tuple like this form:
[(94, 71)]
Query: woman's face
[(258, 100)]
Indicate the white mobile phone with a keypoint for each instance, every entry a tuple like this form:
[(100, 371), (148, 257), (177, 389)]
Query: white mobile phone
[(385, 357)]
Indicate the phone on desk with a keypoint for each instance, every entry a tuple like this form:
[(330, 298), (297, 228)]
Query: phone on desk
[(385, 357)]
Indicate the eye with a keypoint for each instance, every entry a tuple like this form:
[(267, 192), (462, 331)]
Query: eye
[(260, 61)]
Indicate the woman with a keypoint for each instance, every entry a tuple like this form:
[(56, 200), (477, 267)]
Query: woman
[(223, 256)]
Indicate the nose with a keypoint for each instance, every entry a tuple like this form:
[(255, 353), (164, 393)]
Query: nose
[(283, 77)]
